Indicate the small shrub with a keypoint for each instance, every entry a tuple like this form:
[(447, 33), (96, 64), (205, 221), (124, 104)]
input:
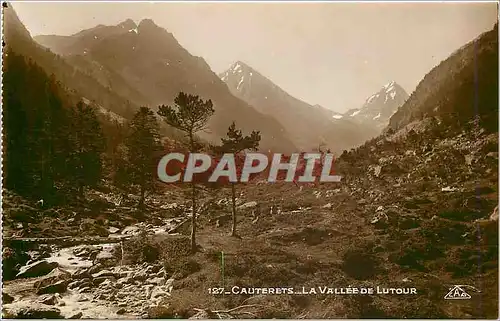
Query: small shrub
[(140, 249), (360, 263), (12, 260), (181, 267)]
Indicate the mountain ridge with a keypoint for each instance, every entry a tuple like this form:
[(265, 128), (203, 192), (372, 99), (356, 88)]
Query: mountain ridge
[(160, 72), (471, 63), (308, 125)]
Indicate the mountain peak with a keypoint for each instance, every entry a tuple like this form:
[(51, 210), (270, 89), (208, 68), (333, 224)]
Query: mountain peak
[(240, 65), (147, 24), (380, 106), (389, 84), (128, 24)]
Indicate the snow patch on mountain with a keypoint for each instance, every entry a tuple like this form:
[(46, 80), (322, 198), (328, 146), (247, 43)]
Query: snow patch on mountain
[(355, 113), (239, 84), (390, 84), (372, 97)]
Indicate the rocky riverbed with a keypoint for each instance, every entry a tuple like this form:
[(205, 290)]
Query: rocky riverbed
[(81, 282)]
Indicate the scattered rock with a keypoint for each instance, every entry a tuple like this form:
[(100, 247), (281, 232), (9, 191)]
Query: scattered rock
[(131, 230), (380, 220), (82, 298), (77, 315), (494, 216), (327, 206), (86, 289), (113, 230), (160, 292), (157, 281), (102, 279), (248, 205)]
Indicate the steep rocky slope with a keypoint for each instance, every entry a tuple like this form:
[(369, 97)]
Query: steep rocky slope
[(459, 88)]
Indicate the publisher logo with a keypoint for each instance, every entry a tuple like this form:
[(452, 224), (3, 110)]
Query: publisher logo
[(457, 293)]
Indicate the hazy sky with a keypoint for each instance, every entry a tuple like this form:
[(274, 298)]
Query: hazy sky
[(332, 54)]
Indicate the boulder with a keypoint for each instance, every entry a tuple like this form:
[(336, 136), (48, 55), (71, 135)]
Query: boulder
[(95, 268), (49, 299), (121, 311), (101, 279), (36, 269), (103, 273), (54, 276), (84, 251), (113, 230), (57, 287), (77, 315), (140, 276), (105, 257), (74, 284), (31, 310), (81, 273)]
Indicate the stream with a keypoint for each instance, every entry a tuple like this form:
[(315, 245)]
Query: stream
[(124, 292)]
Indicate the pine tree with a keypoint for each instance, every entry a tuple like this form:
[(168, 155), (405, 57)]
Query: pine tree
[(143, 144), (115, 134), (86, 163), (190, 115), (236, 143), (15, 124), (35, 124)]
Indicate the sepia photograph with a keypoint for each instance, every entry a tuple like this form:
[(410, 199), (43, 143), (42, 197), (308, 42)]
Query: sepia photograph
[(250, 160)]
